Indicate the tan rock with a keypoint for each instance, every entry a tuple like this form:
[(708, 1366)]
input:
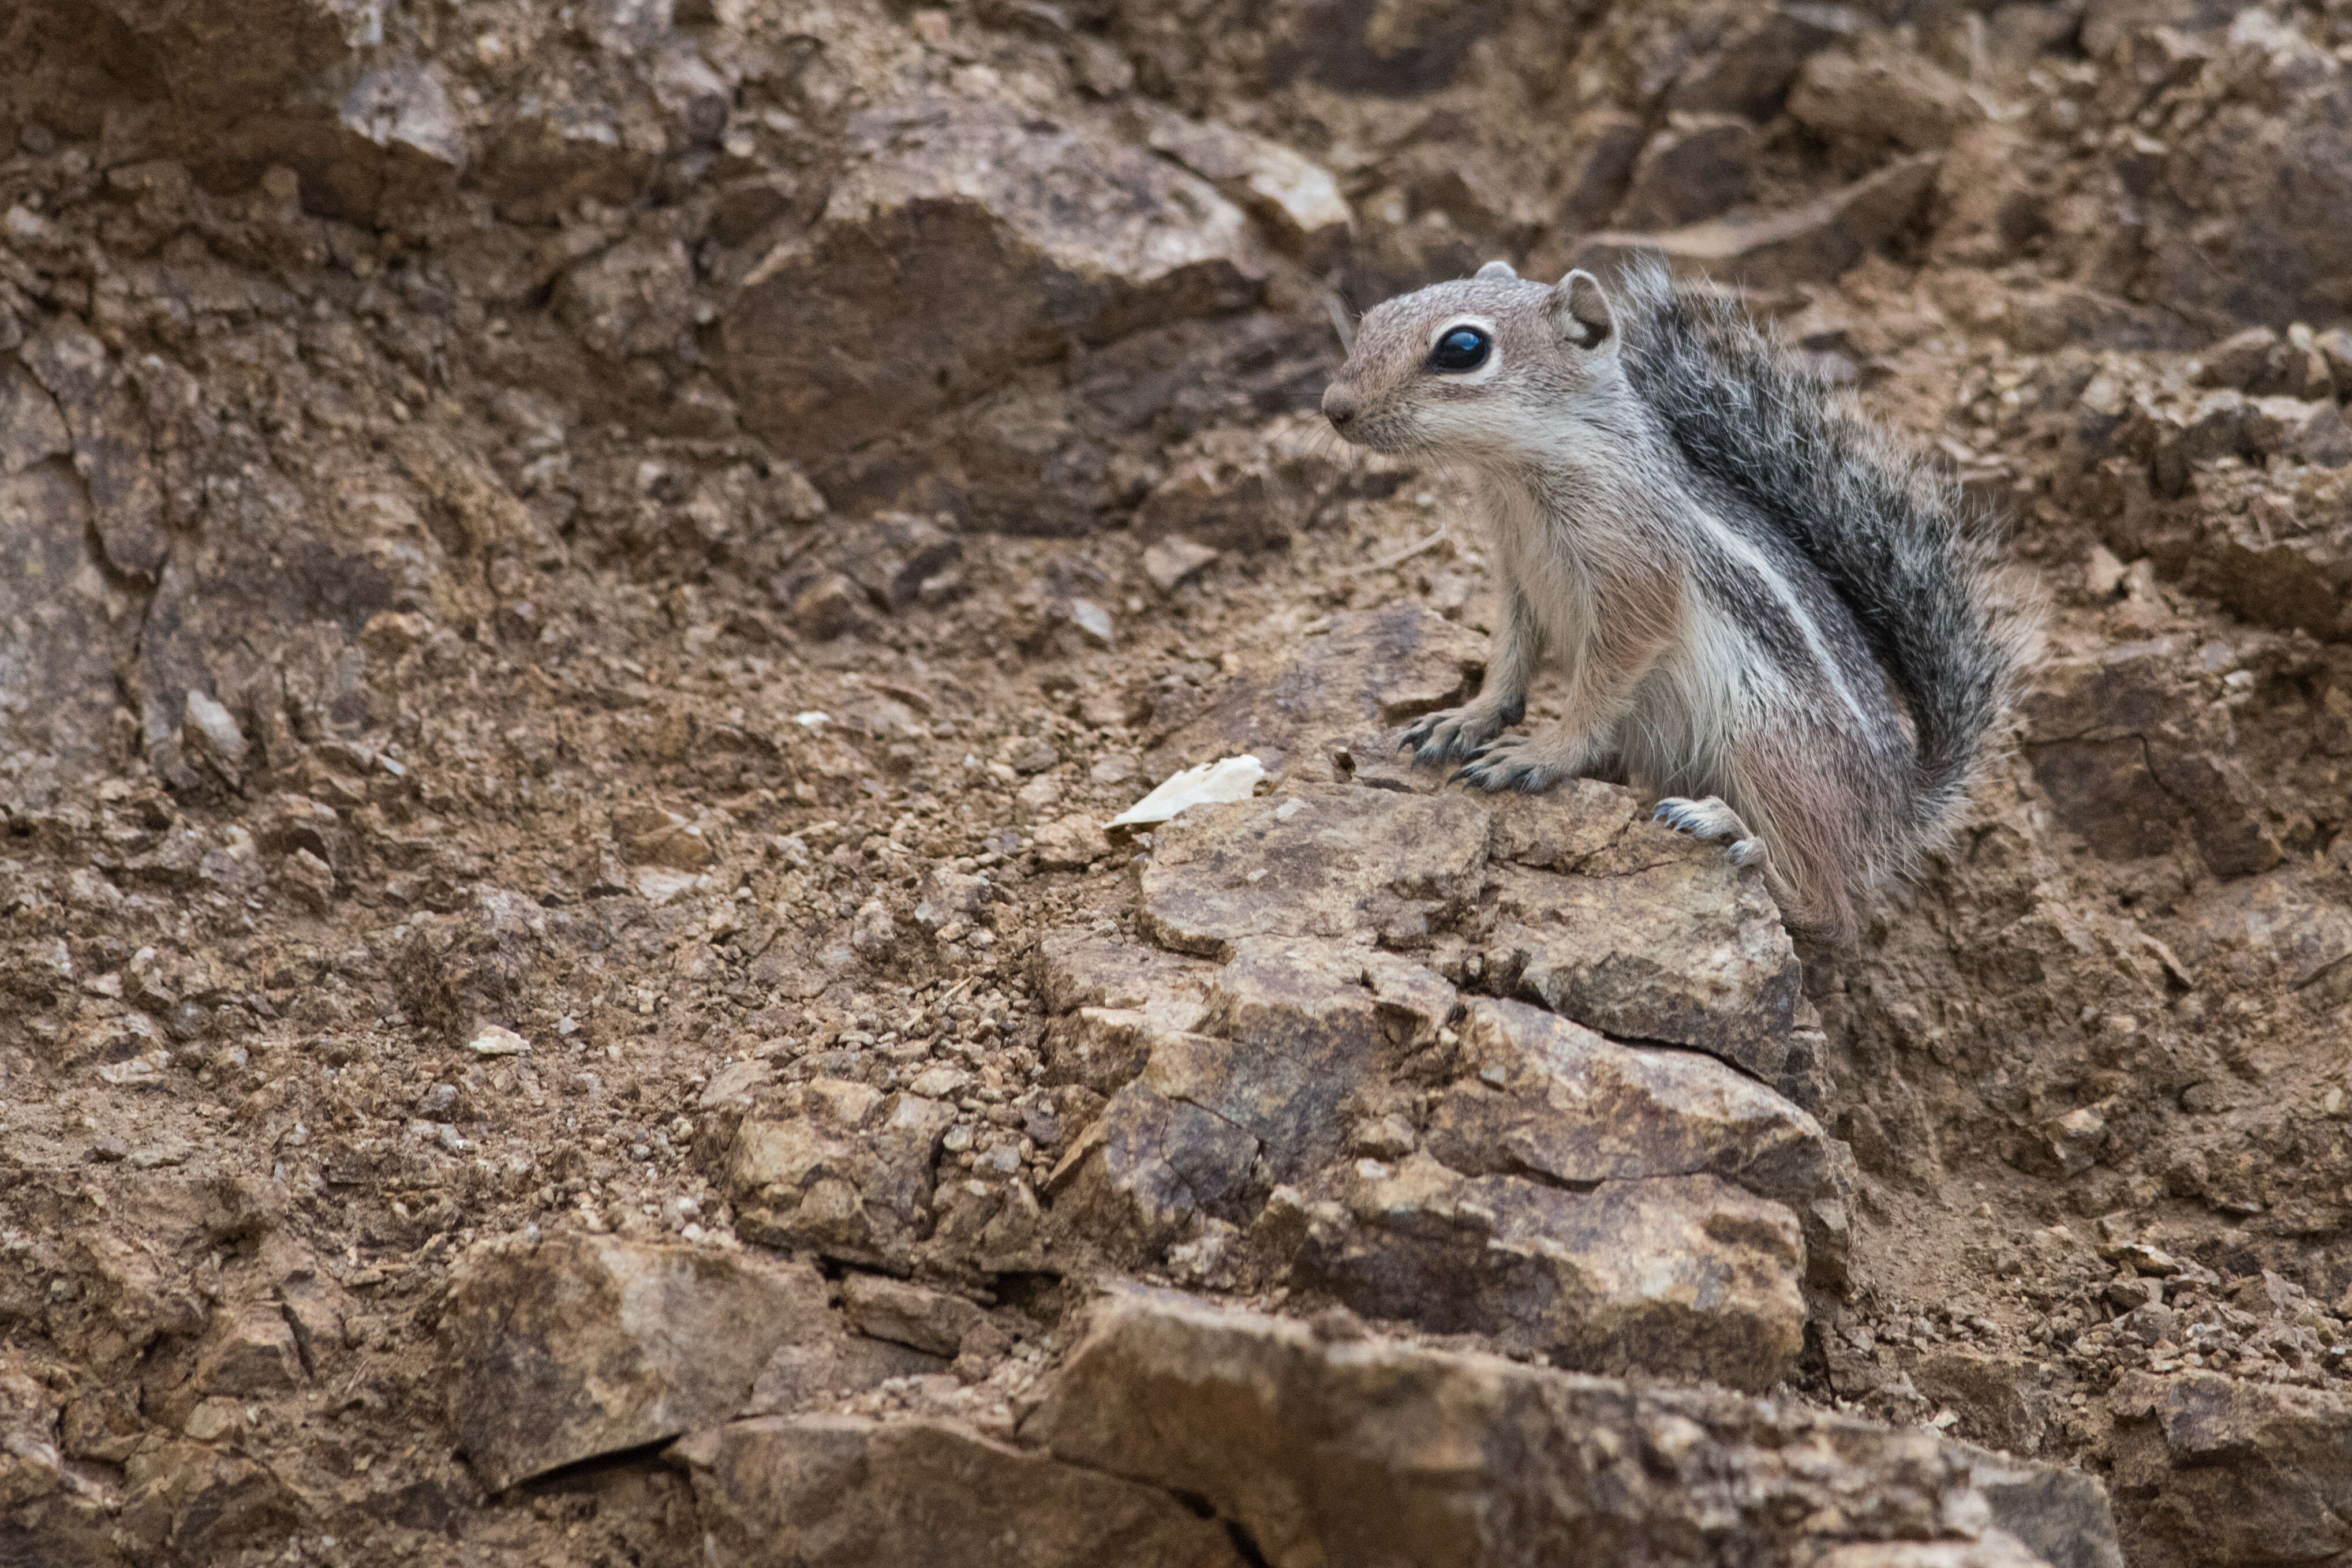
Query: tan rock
[(31, 428), (1684, 1276), (253, 1353), (1369, 668), (309, 879), (837, 1167), (1298, 200), (1152, 1167), (1172, 560), (1689, 951), (202, 1502), (2288, 923), (847, 1492), (2240, 361), (816, 1372), (2007, 1404), (947, 897), (909, 1314), (2244, 208), (898, 560), (2057, 1511), (2307, 430), (568, 152), (1070, 843), (1244, 489), (652, 836), (1365, 1449), (406, 110), (2298, 582), (1597, 158), (110, 447), (1694, 167), (1345, 863), (2133, 761), (1104, 1048), (1294, 1027), (2233, 1472), (30, 1463), (1749, 71), (1581, 825), (1083, 969), (1009, 235), (1880, 96), (635, 298), (584, 1345), (1540, 1095)]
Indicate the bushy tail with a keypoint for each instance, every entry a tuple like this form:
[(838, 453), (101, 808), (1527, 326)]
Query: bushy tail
[(1915, 560)]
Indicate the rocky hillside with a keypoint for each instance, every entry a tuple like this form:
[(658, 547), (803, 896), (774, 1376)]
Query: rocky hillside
[(584, 581)]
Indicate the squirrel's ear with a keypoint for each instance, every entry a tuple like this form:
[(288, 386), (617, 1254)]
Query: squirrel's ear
[(1581, 310), (1497, 269)]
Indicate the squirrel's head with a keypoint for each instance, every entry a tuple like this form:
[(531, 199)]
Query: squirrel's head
[(1495, 366)]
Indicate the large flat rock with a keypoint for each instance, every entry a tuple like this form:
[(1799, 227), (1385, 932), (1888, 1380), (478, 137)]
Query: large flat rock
[(1332, 1450), (587, 1345), (1293, 1027)]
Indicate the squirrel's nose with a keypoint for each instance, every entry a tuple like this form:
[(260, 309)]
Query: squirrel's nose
[(1339, 405)]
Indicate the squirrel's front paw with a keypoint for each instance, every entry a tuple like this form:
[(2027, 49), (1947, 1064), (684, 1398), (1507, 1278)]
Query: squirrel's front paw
[(1454, 733), (1515, 762), (1712, 819)]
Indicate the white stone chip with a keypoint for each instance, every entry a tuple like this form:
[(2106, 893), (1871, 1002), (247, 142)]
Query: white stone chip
[(1094, 621), (145, 1068), (220, 730), (496, 1040), (1230, 779), (659, 886)]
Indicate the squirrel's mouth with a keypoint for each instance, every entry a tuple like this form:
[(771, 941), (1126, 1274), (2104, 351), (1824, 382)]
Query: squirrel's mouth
[(1378, 433)]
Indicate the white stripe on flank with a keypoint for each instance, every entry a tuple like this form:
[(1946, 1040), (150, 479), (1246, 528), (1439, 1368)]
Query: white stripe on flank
[(1753, 559)]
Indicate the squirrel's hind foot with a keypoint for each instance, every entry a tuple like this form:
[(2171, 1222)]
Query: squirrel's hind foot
[(1454, 733), (1712, 819)]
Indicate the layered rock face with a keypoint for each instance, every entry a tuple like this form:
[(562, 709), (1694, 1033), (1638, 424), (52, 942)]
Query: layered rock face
[(1323, 1103), (584, 585)]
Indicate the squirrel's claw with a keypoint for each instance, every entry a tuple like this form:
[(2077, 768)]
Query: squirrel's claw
[(1509, 763), (1451, 735)]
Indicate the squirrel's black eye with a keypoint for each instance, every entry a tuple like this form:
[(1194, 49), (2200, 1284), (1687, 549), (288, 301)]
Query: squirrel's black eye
[(1463, 348)]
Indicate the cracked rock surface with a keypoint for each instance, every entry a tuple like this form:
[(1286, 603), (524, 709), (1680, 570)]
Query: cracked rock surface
[(1336, 1108)]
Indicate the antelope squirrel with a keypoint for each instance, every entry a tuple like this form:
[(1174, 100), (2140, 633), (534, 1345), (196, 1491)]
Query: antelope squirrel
[(1769, 613)]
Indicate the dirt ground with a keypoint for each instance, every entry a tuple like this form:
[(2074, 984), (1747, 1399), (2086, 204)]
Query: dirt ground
[(556, 553)]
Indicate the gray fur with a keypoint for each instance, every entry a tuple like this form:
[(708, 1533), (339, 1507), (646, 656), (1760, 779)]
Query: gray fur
[(1908, 553), (1762, 603)]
